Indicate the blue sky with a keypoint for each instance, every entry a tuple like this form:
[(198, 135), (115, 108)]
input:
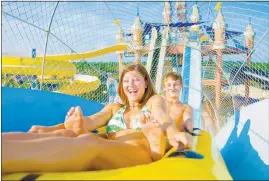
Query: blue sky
[(86, 26)]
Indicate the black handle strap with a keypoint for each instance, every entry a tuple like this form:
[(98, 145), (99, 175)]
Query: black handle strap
[(186, 154), (192, 133), (30, 177)]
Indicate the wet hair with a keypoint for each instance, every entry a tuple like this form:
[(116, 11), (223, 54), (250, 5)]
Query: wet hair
[(149, 91), (172, 75)]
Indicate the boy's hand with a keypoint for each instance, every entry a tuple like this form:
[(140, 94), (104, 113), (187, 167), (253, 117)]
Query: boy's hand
[(175, 138), (187, 124)]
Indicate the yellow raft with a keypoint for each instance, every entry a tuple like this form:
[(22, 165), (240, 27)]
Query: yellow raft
[(206, 165)]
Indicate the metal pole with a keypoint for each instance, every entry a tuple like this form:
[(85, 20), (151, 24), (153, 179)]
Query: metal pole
[(46, 45)]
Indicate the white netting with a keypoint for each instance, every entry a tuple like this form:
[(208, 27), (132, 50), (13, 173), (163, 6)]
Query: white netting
[(31, 30)]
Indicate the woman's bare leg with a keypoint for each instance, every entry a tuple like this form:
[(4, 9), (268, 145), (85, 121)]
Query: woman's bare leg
[(85, 152), (48, 154), (133, 137), (156, 139), (119, 153), (31, 136), (151, 138)]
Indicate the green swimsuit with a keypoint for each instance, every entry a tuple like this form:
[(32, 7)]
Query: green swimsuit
[(117, 123)]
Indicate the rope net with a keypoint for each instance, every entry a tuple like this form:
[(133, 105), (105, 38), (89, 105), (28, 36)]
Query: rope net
[(77, 48)]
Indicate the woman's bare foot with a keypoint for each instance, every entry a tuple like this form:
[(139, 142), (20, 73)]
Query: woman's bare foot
[(156, 140), (75, 121)]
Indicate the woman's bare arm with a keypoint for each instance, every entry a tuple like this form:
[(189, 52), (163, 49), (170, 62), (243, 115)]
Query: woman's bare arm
[(101, 118), (91, 122), (45, 129), (159, 111)]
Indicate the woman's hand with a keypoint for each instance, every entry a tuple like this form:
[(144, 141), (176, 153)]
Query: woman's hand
[(148, 117)]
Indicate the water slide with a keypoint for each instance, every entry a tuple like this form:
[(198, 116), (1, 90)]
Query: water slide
[(153, 54), (58, 69), (240, 74), (81, 84), (161, 62), (191, 66), (244, 142), (192, 81), (152, 45), (91, 54), (112, 85), (30, 66), (254, 92)]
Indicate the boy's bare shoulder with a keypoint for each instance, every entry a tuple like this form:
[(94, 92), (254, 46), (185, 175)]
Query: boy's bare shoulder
[(156, 99), (187, 107)]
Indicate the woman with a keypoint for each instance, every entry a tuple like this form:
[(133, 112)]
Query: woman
[(76, 149)]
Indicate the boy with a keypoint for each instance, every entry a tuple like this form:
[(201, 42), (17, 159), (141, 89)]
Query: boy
[(180, 113)]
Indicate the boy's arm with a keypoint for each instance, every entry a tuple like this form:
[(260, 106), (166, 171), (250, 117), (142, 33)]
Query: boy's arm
[(159, 111), (187, 118)]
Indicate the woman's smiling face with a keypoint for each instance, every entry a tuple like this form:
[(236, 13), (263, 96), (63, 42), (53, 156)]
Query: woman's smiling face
[(134, 86)]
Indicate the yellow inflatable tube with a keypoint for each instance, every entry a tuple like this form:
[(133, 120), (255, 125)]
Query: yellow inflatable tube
[(210, 167)]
